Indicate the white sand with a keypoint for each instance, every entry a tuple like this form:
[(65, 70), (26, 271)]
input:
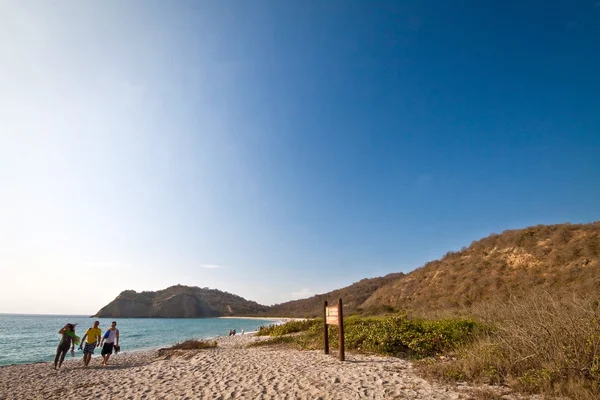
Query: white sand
[(230, 371)]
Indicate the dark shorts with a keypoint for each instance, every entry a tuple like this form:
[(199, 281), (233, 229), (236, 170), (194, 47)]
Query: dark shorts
[(107, 348), (89, 348)]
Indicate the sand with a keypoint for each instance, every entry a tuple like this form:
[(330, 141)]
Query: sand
[(230, 371)]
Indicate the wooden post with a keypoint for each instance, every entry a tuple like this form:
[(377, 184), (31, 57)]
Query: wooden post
[(341, 329), (325, 330)]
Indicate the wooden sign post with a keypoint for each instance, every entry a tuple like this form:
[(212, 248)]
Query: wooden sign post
[(334, 315)]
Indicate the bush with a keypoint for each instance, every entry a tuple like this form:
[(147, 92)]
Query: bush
[(396, 336), (401, 336), (287, 328)]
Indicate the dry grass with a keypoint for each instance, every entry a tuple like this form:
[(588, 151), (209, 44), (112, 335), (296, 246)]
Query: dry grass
[(184, 349), (193, 345), (544, 344)]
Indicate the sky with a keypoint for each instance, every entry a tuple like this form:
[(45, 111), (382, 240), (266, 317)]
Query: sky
[(279, 149)]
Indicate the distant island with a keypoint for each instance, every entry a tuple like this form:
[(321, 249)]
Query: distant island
[(559, 259)]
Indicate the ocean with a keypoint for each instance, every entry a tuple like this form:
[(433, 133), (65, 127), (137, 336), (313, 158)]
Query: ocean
[(33, 338)]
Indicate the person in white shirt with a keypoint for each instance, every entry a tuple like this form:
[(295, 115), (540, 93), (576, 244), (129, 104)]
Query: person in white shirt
[(110, 341)]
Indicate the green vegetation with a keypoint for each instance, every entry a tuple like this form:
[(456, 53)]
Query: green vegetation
[(289, 327), (397, 336)]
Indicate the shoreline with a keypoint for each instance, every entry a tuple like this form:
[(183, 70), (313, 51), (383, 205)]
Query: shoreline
[(78, 356), (131, 352)]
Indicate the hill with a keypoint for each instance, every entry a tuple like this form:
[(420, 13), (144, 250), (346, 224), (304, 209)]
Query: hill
[(560, 259), (353, 296), (179, 302)]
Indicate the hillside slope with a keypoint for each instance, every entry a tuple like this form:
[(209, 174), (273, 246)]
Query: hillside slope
[(179, 302), (560, 259), (353, 297)]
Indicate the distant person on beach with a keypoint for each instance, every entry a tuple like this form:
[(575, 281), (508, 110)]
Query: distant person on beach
[(67, 340), (90, 340), (242, 331), (110, 341)]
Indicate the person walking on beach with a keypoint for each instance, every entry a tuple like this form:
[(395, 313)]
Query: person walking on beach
[(68, 340), (108, 342), (90, 340)]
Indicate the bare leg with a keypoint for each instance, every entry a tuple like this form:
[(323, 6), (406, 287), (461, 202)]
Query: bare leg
[(106, 360)]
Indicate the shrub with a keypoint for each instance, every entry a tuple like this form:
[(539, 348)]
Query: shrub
[(287, 328), (397, 336)]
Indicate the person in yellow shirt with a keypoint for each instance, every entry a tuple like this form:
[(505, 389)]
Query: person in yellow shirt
[(90, 340)]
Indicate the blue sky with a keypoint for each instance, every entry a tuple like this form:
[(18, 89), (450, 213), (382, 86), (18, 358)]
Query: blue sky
[(279, 149)]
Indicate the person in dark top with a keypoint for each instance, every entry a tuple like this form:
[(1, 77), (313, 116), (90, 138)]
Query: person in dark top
[(67, 340)]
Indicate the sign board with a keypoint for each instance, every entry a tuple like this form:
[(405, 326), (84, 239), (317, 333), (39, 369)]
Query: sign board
[(331, 315), (334, 315)]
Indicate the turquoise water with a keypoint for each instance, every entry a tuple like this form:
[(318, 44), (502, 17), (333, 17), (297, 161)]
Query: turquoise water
[(33, 338)]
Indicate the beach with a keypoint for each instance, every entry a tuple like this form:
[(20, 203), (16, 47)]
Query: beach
[(230, 371)]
